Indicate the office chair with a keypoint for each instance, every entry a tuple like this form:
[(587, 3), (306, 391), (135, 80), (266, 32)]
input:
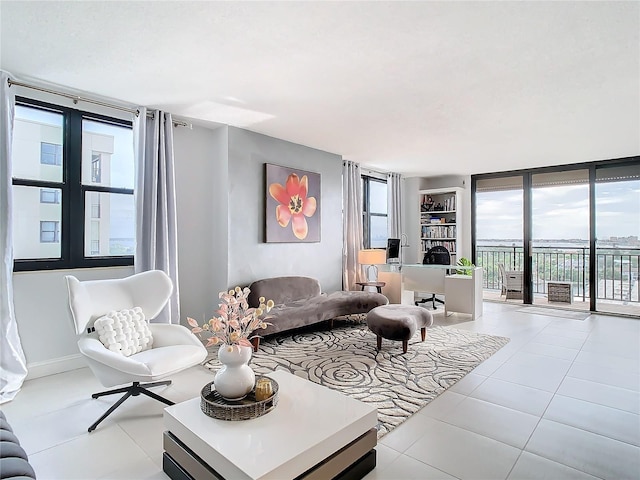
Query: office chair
[(437, 255)]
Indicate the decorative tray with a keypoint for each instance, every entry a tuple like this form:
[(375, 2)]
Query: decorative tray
[(213, 405)]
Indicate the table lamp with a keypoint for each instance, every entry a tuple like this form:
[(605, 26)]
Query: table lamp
[(372, 257)]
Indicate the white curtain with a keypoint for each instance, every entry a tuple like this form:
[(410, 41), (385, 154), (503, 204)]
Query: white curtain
[(13, 366), (394, 205), (351, 224), (156, 222)]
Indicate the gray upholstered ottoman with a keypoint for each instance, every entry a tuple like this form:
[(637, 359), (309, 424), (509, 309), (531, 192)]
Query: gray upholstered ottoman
[(398, 322)]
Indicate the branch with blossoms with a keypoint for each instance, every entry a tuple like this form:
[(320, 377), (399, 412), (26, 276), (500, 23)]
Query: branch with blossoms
[(235, 320)]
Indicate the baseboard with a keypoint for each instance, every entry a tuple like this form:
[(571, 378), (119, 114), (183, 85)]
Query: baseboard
[(57, 365)]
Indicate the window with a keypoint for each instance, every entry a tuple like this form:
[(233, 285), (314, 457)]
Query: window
[(374, 209), (87, 186), (49, 232), (50, 154), (95, 167), (49, 195), (95, 205)]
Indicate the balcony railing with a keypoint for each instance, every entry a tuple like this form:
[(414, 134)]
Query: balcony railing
[(618, 269)]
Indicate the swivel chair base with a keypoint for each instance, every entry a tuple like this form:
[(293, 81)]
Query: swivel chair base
[(433, 301), (134, 390)]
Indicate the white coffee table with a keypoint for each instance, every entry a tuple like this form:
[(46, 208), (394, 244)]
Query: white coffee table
[(313, 433)]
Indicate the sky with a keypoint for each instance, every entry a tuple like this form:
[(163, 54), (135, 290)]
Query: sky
[(561, 212)]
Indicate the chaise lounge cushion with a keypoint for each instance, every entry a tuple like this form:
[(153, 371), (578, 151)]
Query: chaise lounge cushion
[(299, 302)]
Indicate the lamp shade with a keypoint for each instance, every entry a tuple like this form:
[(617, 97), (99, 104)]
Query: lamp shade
[(372, 256)]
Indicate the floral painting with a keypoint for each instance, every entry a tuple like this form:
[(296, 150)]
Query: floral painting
[(292, 205)]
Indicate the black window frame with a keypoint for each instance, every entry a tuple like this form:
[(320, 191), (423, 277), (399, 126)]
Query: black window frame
[(366, 209), (73, 191)]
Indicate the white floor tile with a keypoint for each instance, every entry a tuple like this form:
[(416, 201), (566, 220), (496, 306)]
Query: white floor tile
[(442, 405), (610, 360), (39, 432), (614, 397), (600, 392), (91, 456), (463, 454), (559, 340), (404, 436), (384, 456), (606, 375), (468, 383), (511, 395), (585, 451), (561, 331), (407, 468), (142, 470), (536, 371), (494, 421), (610, 422), (533, 467), (555, 351)]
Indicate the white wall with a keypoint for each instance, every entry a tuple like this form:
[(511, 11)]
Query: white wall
[(250, 258), (44, 321), (201, 165)]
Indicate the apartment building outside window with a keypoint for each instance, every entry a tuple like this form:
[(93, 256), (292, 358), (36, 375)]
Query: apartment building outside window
[(374, 212), (73, 178), (95, 167), (49, 232), (50, 195), (50, 153)]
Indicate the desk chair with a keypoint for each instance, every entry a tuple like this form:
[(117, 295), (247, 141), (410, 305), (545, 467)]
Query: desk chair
[(437, 255)]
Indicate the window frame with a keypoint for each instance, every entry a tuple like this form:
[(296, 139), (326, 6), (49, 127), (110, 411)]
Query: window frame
[(72, 223), (366, 207)]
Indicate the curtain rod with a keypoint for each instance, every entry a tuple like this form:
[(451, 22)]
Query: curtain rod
[(77, 98)]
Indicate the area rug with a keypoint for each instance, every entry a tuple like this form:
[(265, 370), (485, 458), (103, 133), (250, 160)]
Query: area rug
[(345, 359), (550, 312)]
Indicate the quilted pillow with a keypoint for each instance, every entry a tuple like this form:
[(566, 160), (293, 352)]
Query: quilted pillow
[(125, 332)]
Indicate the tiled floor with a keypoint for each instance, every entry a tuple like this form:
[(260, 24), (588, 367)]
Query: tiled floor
[(561, 400)]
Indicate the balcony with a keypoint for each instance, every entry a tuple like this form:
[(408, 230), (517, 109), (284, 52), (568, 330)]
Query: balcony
[(618, 270)]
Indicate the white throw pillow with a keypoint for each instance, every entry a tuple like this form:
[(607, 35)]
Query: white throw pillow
[(125, 332)]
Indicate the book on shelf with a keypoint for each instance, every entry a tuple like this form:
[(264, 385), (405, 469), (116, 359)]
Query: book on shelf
[(439, 231)]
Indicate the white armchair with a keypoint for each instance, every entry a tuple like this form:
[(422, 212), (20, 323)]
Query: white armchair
[(174, 347)]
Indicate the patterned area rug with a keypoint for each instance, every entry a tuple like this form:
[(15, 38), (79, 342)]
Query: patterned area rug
[(345, 359)]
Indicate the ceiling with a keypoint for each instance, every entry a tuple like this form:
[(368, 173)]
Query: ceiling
[(419, 88)]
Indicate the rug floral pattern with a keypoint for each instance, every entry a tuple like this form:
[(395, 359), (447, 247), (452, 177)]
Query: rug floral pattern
[(345, 359)]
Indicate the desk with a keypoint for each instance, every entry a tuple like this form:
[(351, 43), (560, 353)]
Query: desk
[(463, 293), (378, 285)]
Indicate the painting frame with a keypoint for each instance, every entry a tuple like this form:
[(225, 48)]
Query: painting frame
[(292, 205)]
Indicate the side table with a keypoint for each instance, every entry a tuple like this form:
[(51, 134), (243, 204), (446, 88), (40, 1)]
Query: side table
[(378, 285)]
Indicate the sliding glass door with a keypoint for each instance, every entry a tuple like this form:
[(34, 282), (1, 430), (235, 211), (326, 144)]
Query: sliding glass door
[(571, 233), (617, 232), (499, 246), (560, 238)]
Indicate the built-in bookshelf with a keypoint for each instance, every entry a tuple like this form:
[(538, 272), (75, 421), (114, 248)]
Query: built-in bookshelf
[(439, 220)]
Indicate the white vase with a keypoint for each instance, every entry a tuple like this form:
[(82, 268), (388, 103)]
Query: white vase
[(235, 379)]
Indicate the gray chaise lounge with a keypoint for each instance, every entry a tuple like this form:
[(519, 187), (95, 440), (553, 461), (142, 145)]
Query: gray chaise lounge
[(300, 302)]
